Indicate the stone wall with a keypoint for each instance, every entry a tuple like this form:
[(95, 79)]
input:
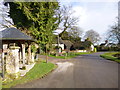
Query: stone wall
[(12, 60)]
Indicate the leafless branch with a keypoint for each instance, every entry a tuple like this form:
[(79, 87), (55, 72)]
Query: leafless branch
[(65, 18)]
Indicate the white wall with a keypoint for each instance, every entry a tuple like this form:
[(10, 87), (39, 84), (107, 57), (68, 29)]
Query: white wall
[(60, 45)]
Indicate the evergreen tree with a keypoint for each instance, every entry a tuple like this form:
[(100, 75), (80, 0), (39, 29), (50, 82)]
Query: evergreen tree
[(36, 19)]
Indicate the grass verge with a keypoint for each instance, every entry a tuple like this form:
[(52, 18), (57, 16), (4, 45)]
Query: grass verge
[(38, 71), (110, 56), (0, 83), (69, 55)]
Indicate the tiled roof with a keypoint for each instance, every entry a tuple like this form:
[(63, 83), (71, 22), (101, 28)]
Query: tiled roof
[(13, 34)]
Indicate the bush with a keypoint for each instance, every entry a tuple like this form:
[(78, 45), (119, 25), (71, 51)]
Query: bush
[(33, 48), (105, 48), (117, 55)]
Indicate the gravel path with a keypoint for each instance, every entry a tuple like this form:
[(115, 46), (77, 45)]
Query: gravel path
[(53, 59)]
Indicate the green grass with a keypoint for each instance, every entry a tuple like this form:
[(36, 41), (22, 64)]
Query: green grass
[(38, 71), (0, 83), (70, 55), (110, 56)]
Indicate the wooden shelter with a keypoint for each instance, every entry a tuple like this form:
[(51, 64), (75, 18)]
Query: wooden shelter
[(13, 45)]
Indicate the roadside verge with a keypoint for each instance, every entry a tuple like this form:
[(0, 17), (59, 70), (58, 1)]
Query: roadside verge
[(110, 56), (38, 71)]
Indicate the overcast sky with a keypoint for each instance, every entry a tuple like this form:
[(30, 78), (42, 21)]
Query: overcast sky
[(98, 15)]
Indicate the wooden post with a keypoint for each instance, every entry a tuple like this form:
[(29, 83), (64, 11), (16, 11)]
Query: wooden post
[(47, 59), (3, 67), (23, 54), (46, 54), (20, 55), (58, 45), (29, 53)]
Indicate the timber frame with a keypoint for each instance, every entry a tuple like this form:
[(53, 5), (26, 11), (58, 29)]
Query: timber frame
[(15, 43)]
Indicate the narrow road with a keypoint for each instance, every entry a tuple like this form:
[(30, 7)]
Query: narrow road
[(85, 71)]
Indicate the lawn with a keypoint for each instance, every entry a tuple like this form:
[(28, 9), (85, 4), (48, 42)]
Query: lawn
[(0, 83), (38, 71), (69, 55), (110, 56)]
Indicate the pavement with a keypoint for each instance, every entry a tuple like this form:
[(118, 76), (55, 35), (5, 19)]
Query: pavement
[(28, 67), (85, 71)]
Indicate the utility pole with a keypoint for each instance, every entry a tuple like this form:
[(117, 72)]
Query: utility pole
[(58, 44)]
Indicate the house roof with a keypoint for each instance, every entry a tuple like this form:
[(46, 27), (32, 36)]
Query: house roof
[(13, 34)]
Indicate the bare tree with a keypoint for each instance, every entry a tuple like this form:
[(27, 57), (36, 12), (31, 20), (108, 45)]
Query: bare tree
[(114, 34), (65, 18), (75, 32), (93, 36)]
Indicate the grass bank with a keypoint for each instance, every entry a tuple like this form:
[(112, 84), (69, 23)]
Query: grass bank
[(110, 56), (69, 55), (0, 83), (38, 71)]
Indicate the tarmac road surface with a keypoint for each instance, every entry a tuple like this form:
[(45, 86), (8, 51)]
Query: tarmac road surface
[(85, 71)]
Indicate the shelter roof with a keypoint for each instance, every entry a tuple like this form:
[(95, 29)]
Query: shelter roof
[(13, 34)]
